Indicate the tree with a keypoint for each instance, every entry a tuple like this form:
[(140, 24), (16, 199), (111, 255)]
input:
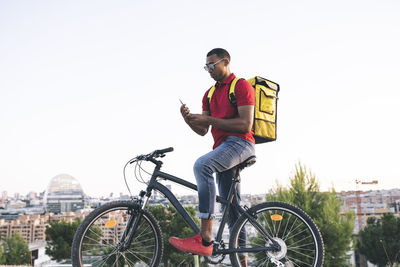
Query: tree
[(16, 251), (59, 236), (380, 240), (324, 209), (1, 256), (172, 224), (1, 252)]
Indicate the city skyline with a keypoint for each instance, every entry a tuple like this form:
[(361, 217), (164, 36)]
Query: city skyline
[(32, 195), (85, 86), (357, 184)]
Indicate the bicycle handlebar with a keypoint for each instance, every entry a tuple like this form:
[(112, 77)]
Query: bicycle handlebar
[(155, 154), (165, 150)]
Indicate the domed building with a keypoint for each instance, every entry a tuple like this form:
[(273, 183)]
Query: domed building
[(64, 194)]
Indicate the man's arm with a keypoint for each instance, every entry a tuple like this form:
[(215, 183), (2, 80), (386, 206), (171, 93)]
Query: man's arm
[(242, 124), (200, 128)]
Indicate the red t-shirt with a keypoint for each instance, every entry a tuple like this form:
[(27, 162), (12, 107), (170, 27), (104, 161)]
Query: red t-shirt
[(221, 107)]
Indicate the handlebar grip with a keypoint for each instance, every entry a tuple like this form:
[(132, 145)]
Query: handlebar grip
[(165, 150)]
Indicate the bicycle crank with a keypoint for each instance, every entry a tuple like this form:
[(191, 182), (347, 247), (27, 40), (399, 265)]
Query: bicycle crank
[(277, 262), (217, 259), (281, 264)]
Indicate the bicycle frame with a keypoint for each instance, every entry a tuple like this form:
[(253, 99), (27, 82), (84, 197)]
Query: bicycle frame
[(127, 232), (155, 185)]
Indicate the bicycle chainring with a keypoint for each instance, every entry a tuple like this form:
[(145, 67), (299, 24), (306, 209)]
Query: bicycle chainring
[(216, 259)]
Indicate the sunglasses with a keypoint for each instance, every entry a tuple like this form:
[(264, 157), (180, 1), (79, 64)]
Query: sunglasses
[(211, 66)]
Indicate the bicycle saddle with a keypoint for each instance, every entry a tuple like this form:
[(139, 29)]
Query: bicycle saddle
[(247, 163)]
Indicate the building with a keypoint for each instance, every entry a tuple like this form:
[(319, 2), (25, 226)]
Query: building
[(63, 194), (16, 204), (365, 204), (38, 254), (372, 203), (4, 198), (31, 227)]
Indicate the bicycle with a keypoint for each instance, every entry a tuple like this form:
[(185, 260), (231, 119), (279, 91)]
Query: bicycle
[(125, 233)]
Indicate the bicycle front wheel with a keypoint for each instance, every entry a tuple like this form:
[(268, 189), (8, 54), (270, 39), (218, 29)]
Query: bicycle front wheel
[(97, 239), (300, 240)]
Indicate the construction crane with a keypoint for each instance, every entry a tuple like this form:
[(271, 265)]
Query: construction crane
[(358, 201)]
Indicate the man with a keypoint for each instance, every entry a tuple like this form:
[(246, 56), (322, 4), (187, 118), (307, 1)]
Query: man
[(231, 129)]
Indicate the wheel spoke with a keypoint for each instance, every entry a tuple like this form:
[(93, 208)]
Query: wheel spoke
[(93, 232), (303, 254), (291, 229), (301, 247), (139, 235), (296, 234), (134, 253), (266, 222), (280, 221), (116, 259), (142, 241), (130, 263), (105, 258), (299, 241)]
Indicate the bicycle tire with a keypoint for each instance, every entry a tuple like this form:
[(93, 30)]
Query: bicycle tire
[(299, 237), (96, 239)]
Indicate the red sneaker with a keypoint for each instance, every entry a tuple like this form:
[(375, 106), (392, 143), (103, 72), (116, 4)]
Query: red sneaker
[(192, 244)]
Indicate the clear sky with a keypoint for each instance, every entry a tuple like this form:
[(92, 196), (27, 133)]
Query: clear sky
[(86, 85)]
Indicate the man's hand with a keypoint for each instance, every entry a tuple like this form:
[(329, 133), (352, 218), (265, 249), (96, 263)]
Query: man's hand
[(199, 119), (193, 120), (185, 111)]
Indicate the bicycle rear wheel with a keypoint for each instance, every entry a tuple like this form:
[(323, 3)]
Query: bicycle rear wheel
[(96, 241), (300, 240)]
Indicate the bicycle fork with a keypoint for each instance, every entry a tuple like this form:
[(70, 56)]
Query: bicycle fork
[(131, 226), (133, 222)]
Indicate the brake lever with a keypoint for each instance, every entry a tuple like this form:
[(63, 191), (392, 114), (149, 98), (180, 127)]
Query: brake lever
[(151, 155), (133, 160), (137, 158)]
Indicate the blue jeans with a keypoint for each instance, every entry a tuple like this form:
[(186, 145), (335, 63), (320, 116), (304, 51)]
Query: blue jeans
[(221, 160)]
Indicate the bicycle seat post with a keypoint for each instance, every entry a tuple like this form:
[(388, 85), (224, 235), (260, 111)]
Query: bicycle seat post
[(248, 162)]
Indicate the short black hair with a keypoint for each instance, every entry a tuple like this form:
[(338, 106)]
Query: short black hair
[(220, 52)]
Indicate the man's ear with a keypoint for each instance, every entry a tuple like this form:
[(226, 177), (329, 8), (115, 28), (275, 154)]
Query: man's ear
[(226, 61)]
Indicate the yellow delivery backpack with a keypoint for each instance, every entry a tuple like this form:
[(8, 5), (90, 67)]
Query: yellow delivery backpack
[(266, 93)]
